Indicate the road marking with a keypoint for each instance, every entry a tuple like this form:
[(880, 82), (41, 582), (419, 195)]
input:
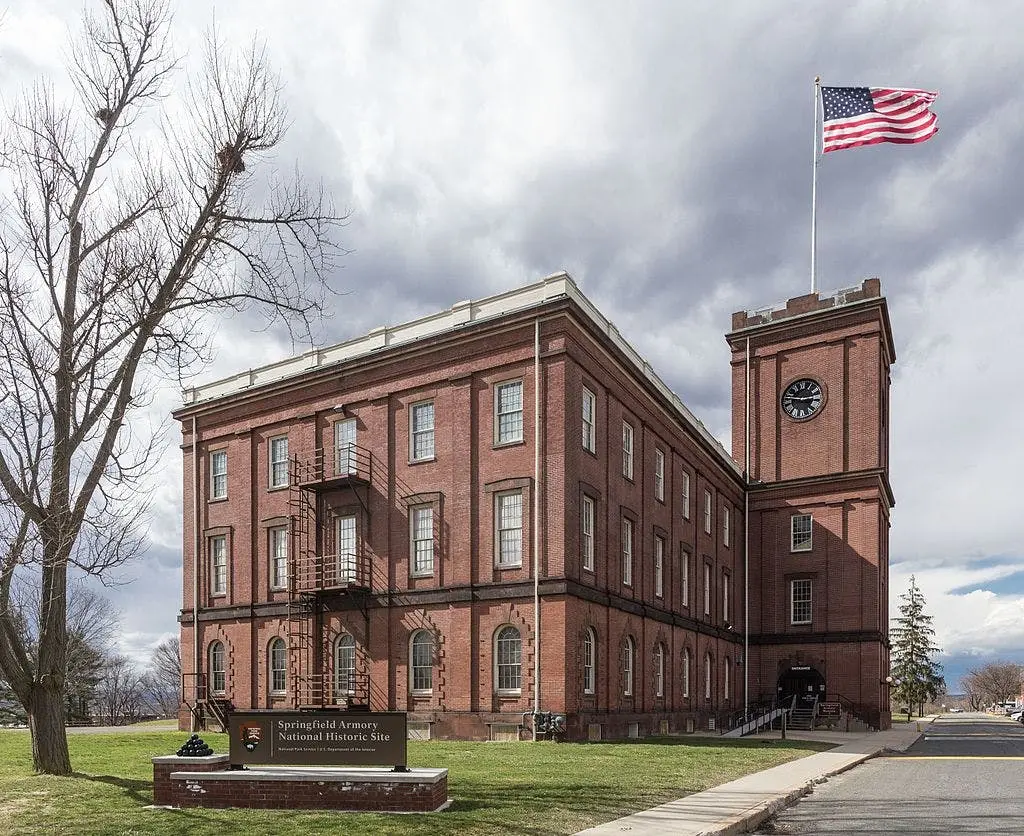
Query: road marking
[(910, 755)]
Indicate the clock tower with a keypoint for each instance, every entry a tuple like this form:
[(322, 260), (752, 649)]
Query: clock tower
[(810, 407)]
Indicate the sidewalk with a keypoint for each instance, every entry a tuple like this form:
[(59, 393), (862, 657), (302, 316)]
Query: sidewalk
[(742, 805)]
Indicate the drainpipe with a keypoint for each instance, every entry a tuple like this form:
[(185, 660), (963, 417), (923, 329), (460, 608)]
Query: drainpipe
[(746, 539), (196, 655), (536, 524)]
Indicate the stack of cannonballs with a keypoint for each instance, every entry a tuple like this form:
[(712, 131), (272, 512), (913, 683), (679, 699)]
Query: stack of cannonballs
[(194, 748)]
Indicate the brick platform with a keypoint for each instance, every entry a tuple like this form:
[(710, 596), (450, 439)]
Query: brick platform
[(208, 782)]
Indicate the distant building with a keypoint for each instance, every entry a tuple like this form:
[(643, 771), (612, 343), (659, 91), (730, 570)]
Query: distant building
[(502, 508)]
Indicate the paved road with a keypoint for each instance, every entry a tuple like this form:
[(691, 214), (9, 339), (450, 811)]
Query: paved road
[(965, 775)]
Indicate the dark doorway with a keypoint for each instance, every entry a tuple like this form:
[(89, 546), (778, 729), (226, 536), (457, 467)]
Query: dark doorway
[(804, 682)]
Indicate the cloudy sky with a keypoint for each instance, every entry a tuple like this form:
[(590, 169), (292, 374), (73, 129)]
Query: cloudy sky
[(661, 153)]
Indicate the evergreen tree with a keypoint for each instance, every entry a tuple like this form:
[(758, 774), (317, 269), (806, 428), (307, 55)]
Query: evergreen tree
[(917, 677)]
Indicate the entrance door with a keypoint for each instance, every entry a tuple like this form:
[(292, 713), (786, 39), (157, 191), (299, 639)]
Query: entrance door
[(804, 682)]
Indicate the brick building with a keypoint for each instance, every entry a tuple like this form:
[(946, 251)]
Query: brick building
[(501, 509)]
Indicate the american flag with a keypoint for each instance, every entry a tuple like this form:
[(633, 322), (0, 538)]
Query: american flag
[(868, 115)]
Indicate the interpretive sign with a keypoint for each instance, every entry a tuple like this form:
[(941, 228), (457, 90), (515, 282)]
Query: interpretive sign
[(318, 738)]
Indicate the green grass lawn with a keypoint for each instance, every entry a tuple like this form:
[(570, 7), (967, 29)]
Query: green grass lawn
[(542, 788)]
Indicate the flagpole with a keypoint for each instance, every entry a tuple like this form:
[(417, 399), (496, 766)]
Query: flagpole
[(814, 190)]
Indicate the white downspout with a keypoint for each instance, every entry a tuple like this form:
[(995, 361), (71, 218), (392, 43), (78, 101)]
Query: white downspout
[(746, 538), (196, 654), (536, 523)]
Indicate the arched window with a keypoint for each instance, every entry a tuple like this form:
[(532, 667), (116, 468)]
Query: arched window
[(218, 668), (589, 662), (344, 666), (628, 655), (508, 656), (278, 661), (686, 672), (421, 662), (659, 670), (707, 676)]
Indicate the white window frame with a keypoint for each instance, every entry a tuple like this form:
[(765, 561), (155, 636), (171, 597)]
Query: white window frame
[(627, 551), (707, 512), (707, 588), (421, 541), (628, 663), (684, 585), (515, 435), (346, 559), (277, 459), (421, 436), (686, 672), (587, 517), (686, 495), (346, 435), (725, 596), (513, 667), (725, 678), (659, 565), (275, 670), (218, 545), (659, 670), (500, 528), (804, 602), (417, 668), (725, 526), (627, 449), (278, 542), (589, 420), (707, 675), (806, 538), (659, 475), (344, 676), (221, 670), (218, 475), (589, 661)]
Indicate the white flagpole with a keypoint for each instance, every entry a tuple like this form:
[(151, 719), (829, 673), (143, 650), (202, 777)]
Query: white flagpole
[(814, 191)]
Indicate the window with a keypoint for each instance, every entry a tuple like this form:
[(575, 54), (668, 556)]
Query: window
[(421, 428), (659, 476), (707, 512), (345, 529), (800, 592), (725, 526), (686, 672), (627, 552), (686, 496), (589, 420), (659, 670), (218, 668), (344, 666), (725, 677), (508, 656), (589, 662), (421, 520), (345, 460), (587, 534), (278, 666), (628, 654), (707, 676), (801, 527), (725, 598), (219, 474), (627, 450), (508, 411), (659, 561), (421, 662), (279, 557), (218, 565), (279, 462), (707, 589), (684, 573), (509, 516)]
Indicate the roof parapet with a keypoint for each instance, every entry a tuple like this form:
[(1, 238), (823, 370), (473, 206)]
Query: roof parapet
[(809, 303)]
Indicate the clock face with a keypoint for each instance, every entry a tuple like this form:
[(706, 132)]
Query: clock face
[(802, 398)]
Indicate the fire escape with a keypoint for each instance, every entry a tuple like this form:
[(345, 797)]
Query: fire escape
[(327, 566)]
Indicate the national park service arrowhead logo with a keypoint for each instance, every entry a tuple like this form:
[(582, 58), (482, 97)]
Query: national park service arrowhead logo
[(251, 737)]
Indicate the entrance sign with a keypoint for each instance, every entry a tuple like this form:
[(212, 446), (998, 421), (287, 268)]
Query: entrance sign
[(318, 738)]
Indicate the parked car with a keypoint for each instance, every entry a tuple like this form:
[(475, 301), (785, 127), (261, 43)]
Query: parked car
[(1017, 715), (956, 710)]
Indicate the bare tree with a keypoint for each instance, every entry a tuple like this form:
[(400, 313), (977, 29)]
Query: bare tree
[(121, 233), (119, 694), (995, 682), (162, 680)]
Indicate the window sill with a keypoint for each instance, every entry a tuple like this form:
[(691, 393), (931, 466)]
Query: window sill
[(214, 499), (800, 623), (218, 595), (279, 588), (498, 445), (508, 566), (424, 574), (278, 694), (422, 693), (588, 569), (424, 460), (800, 551), (273, 488), (509, 694)]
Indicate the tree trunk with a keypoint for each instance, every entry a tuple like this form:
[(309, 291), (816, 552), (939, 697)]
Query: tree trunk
[(49, 737)]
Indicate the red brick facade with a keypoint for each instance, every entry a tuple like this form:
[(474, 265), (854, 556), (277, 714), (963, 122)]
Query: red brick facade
[(552, 502)]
